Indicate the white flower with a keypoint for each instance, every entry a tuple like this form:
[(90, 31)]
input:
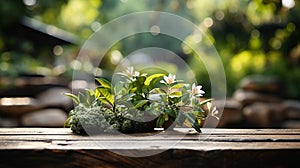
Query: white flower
[(208, 104), (130, 72), (215, 112), (168, 79), (212, 112), (196, 90), (136, 73)]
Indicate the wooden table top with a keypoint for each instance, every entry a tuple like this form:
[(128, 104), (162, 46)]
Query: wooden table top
[(228, 147), (210, 139)]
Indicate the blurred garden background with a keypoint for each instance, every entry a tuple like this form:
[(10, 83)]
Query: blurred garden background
[(257, 40)]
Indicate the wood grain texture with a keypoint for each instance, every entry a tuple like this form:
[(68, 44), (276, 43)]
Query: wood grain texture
[(59, 147)]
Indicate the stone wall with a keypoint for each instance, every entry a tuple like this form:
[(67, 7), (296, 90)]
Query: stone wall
[(259, 103), (35, 102)]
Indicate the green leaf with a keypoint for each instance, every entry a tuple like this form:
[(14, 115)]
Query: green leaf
[(104, 83), (97, 94), (195, 101), (175, 94), (166, 117), (82, 98), (164, 98), (104, 100), (160, 121), (196, 125), (141, 103), (171, 113), (138, 97), (153, 77), (141, 80), (174, 100), (157, 90), (118, 88), (73, 97), (140, 83), (133, 90), (91, 92), (185, 98), (126, 97), (205, 101), (190, 116), (178, 86), (105, 95), (145, 90), (90, 98), (181, 118), (67, 122), (199, 121)]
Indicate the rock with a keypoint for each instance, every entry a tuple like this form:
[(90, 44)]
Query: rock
[(51, 98), (44, 118), (54, 98), (292, 114), (263, 114), (262, 83), (292, 109), (291, 124), (39, 80), (18, 106), (295, 104), (8, 122), (232, 112), (257, 114), (249, 97)]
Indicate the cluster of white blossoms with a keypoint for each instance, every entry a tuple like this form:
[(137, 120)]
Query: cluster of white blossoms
[(195, 91)]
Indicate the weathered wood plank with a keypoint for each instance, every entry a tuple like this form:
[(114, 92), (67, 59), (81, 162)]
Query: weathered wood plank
[(32, 131), (109, 137), (139, 144), (169, 158), (222, 131), (52, 147), (132, 145), (13, 139)]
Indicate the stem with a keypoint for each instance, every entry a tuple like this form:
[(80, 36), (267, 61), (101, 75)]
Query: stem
[(168, 93), (114, 106)]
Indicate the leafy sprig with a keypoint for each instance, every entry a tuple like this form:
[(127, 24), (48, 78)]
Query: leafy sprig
[(125, 104)]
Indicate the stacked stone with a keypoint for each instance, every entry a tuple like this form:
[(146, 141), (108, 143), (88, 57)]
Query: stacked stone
[(263, 104), (258, 103), (291, 114), (54, 112), (46, 107)]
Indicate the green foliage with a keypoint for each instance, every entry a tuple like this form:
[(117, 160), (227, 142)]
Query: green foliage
[(83, 118), (74, 97), (104, 83), (104, 95), (126, 105), (153, 79), (96, 115)]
